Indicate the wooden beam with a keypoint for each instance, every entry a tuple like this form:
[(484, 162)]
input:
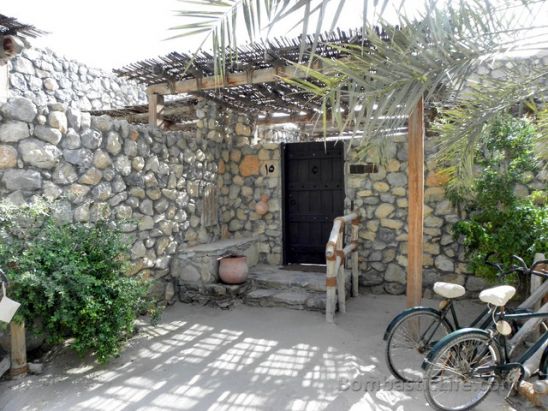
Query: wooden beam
[(230, 80), (18, 350), (189, 112), (415, 176), (292, 118), (155, 109)]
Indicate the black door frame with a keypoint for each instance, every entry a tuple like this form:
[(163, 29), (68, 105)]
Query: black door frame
[(283, 164)]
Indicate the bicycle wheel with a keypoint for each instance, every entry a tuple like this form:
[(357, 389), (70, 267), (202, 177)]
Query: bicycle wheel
[(455, 378), (410, 340)]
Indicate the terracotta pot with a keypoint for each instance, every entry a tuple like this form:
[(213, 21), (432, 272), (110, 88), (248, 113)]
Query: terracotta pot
[(233, 269), (262, 206)]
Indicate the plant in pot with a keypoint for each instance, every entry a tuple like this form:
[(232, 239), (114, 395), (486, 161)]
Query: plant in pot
[(233, 269)]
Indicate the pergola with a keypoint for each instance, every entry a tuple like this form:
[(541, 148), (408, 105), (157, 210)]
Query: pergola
[(254, 81), (10, 26)]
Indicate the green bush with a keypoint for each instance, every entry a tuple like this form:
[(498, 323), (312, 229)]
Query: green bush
[(70, 280), (499, 221)]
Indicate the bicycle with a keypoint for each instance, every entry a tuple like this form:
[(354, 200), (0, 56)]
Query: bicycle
[(461, 368), (413, 332)]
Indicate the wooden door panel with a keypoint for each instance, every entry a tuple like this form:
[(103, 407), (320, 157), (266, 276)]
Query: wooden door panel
[(314, 196)]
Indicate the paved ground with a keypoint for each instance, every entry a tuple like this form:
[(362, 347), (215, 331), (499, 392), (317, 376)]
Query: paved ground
[(248, 358)]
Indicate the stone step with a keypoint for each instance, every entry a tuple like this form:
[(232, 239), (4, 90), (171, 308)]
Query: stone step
[(276, 287), (272, 277), (297, 300)]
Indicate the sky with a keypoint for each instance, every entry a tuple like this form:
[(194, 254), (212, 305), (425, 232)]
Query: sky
[(111, 33)]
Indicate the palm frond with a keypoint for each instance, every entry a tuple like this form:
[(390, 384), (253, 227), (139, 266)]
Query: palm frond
[(218, 21), (431, 56)]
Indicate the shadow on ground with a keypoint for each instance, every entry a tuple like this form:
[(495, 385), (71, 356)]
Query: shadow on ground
[(248, 358)]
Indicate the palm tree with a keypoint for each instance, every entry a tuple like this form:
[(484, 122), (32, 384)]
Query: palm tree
[(432, 56)]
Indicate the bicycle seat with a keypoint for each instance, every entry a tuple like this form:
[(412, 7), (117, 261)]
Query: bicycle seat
[(498, 296), (449, 290)]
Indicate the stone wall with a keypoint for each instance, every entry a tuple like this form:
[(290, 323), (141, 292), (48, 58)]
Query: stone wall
[(246, 172), (45, 77), (151, 182), (169, 191), (381, 199), (254, 172)]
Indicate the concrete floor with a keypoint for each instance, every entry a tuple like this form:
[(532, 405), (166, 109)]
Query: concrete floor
[(248, 358)]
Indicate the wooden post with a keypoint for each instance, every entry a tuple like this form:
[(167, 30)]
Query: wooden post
[(415, 175), (18, 350), (536, 296), (156, 110), (331, 290), (526, 329), (355, 262), (536, 281), (341, 275)]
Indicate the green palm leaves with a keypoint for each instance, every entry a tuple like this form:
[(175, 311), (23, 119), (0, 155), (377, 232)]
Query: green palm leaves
[(435, 55)]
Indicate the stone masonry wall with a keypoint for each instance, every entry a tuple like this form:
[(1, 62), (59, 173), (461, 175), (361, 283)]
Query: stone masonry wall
[(151, 182), (381, 199), (254, 171), (167, 190), (245, 173), (45, 77)]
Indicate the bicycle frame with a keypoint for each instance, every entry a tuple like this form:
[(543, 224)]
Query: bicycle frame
[(449, 311), (502, 342)]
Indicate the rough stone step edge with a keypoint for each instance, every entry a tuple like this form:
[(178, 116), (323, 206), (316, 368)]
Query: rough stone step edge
[(268, 283), (268, 303), (265, 285)]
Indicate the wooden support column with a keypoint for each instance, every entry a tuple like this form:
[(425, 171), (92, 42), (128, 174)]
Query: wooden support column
[(355, 261), (18, 350), (156, 110), (536, 281), (415, 175), (341, 274), (331, 290)]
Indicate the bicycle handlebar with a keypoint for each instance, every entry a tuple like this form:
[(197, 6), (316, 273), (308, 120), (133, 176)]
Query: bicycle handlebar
[(522, 268)]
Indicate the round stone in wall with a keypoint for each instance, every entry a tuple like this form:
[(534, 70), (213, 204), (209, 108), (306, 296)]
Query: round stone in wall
[(26, 180), (58, 120), (91, 138), (19, 108), (39, 154), (8, 157), (13, 131), (47, 134), (50, 84), (444, 263)]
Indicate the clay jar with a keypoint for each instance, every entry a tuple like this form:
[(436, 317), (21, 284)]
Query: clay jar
[(262, 206), (233, 269)]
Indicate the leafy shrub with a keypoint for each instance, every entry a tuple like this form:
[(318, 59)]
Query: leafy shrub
[(71, 278), (498, 220)]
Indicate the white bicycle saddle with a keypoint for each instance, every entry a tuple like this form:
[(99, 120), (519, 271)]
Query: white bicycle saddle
[(498, 296), (449, 290)]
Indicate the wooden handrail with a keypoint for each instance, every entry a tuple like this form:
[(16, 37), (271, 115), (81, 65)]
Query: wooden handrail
[(335, 255), (338, 225)]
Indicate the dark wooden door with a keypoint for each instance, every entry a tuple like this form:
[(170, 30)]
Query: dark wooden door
[(314, 196)]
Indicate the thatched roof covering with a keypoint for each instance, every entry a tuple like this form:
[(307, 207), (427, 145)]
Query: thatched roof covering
[(273, 96), (11, 26)]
